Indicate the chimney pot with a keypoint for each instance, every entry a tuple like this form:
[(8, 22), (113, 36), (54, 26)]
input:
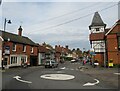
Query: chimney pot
[(20, 31)]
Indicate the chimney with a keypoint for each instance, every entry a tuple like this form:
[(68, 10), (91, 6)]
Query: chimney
[(20, 31), (66, 46), (55, 46)]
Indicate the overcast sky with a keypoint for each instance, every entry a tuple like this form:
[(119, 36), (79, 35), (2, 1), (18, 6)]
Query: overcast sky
[(57, 22)]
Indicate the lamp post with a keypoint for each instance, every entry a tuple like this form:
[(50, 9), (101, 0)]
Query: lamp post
[(9, 22), (6, 21)]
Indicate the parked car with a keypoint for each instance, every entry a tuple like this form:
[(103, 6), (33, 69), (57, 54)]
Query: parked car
[(51, 64)]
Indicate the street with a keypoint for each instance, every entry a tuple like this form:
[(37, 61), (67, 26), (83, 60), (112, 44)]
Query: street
[(66, 76)]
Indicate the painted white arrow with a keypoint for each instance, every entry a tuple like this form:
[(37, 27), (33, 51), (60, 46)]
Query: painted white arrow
[(91, 84), (18, 78)]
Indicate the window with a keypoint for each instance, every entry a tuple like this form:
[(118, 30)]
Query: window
[(14, 47), (13, 60), (24, 48), (31, 49), (119, 43), (97, 29), (23, 59)]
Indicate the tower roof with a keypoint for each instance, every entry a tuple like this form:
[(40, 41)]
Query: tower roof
[(97, 21)]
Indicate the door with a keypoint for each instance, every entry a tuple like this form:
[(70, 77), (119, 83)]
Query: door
[(6, 59), (33, 61)]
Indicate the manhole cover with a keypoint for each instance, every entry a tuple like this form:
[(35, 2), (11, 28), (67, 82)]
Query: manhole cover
[(58, 76)]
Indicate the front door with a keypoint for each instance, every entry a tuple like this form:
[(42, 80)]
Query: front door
[(6, 59)]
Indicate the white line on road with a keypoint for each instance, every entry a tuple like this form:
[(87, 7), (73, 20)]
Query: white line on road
[(91, 84), (18, 78), (63, 68), (117, 73)]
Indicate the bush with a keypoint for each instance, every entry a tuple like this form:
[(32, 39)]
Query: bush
[(116, 65)]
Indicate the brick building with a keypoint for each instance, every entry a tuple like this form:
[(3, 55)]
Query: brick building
[(45, 52), (105, 41), (61, 52), (113, 43), (18, 48)]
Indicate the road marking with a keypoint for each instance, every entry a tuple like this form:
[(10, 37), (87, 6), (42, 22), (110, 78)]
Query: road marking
[(71, 69), (18, 78), (57, 76), (91, 84), (60, 72), (117, 73), (63, 68)]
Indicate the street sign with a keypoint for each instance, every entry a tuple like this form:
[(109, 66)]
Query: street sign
[(7, 49), (92, 52)]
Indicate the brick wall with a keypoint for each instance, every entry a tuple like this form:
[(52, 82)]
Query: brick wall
[(100, 58), (112, 45)]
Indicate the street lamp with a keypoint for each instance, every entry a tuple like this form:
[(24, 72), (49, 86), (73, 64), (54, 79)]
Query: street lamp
[(6, 21), (9, 22)]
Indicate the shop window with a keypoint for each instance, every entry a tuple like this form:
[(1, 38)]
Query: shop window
[(13, 60), (23, 59)]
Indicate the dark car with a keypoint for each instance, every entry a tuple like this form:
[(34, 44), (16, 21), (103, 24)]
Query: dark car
[(51, 64)]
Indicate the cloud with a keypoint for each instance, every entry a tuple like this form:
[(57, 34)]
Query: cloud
[(38, 20), (60, 0)]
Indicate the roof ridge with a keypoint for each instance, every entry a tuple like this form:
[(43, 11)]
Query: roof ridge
[(20, 39)]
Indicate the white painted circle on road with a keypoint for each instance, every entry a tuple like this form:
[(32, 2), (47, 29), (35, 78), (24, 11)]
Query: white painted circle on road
[(58, 76)]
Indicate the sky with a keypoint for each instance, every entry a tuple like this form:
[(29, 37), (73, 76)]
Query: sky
[(57, 22)]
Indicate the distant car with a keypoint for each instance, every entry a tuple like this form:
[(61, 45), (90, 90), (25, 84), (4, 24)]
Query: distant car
[(73, 60), (51, 64)]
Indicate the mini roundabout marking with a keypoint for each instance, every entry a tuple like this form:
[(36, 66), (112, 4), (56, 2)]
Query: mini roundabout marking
[(57, 76)]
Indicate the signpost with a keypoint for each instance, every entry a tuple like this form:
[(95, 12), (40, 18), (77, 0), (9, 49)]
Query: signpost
[(92, 53)]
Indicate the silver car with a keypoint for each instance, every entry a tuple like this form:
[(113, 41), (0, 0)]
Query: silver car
[(51, 64)]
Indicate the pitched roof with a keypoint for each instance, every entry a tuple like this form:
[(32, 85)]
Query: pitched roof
[(97, 21), (117, 23), (17, 39)]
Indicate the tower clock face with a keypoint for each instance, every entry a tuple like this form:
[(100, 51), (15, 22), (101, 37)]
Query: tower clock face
[(98, 46)]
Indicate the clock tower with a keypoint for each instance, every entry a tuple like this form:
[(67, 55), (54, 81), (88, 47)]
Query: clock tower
[(97, 37)]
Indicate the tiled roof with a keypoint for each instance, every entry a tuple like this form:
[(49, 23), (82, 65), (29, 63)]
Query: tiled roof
[(17, 39), (97, 21)]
